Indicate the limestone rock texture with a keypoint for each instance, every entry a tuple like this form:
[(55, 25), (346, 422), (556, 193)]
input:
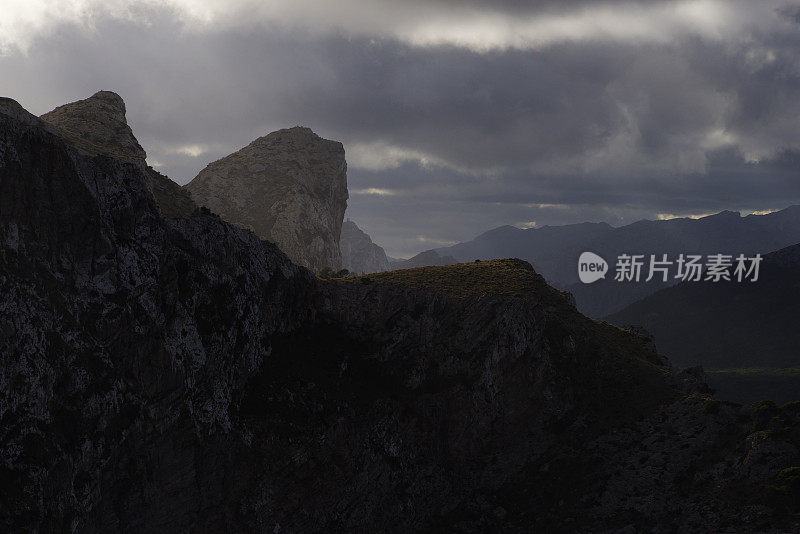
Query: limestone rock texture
[(98, 125), (359, 254), (289, 187)]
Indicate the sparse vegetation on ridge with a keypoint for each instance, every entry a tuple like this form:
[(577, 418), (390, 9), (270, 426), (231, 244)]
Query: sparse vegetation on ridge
[(510, 277), (326, 273)]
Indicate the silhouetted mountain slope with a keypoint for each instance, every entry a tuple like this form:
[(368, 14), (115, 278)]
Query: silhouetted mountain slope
[(728, 324), (554, 251), (163, 375)]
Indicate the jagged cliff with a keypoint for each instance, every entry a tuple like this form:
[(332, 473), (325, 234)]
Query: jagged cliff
[(289, 187), (98, 125), (171, 375), (359, 253)]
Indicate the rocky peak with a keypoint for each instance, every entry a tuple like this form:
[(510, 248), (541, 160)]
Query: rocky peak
[(98, 125), (359, 253), (289, 187)]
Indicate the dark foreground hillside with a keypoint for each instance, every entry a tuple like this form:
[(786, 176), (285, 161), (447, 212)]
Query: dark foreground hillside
[(751, 384), (172, 375)]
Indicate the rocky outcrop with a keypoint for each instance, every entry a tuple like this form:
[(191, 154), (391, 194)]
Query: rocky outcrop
[(164, 375), (359, 254), (289, 187), (97, 125), (118, 326)]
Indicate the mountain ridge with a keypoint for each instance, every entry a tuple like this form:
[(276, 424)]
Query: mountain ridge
[(426, 258), (289, 187), (554, 250), (166, 374)]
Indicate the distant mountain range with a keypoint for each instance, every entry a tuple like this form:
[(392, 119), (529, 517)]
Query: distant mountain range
[(554, 250), (423, 259)]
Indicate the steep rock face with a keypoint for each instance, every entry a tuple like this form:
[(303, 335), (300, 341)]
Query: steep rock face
[(182, 375), (359, 253), (289, 187), (98, 125), (118, 326)]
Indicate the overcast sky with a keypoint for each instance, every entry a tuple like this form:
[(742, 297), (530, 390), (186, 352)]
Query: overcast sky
[(457, 116)]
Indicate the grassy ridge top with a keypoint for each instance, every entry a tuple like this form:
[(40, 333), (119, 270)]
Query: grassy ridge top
[(510, 277)]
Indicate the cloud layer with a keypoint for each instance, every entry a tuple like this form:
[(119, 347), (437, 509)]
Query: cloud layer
[(456, 116)]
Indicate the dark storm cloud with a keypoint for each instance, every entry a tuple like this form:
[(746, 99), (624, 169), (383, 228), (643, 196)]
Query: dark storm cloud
[(445, 141), (219, 91), (529, 7)]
